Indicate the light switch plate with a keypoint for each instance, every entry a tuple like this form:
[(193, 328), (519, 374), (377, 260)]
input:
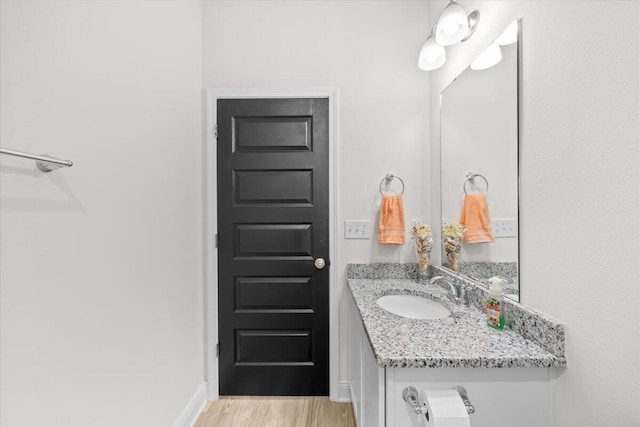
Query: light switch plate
[(357, 229), (504, 227)]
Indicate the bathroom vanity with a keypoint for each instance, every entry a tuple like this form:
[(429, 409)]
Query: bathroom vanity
[(509, 377)]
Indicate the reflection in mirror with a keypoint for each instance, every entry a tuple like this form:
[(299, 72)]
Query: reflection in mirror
[(479, 162)]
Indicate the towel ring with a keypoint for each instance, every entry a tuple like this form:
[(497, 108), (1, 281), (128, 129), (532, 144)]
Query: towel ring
[(470, 177), (388, 178)]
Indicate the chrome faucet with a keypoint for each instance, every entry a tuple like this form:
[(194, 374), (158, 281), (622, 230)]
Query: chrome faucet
[(459, 293), (505, 280)]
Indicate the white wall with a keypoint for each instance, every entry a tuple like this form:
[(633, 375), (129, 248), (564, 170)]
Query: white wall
[(369, 51), (101, 264), (580, 188)]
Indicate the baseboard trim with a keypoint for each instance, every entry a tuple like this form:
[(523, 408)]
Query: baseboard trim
[(344, 392), (190, 413)]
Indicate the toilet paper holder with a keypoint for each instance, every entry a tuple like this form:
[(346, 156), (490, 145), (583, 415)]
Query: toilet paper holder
[(410, 395)]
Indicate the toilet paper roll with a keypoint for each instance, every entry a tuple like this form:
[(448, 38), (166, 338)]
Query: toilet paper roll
[(444, 409)]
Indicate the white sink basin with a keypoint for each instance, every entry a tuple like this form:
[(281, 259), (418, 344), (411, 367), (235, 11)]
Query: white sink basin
[(413, 307)]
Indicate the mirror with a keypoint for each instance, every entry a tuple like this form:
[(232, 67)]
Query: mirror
[(479, 161)]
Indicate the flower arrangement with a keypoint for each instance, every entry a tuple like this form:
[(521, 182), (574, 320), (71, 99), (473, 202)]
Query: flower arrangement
[(424, 243), (421, 230), (452, 236)]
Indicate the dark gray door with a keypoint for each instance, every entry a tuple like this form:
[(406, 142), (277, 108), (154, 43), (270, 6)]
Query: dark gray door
[(273, 223)]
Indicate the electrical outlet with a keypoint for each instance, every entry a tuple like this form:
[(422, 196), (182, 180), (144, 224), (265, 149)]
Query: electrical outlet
[(504, 227), (357, 229)]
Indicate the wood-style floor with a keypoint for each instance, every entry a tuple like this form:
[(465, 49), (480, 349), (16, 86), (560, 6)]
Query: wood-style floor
[(276, 412)]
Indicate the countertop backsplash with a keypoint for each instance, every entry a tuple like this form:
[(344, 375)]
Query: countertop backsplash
[(383, 271)]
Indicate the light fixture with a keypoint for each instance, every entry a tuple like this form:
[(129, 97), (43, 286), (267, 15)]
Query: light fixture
[(487, 59), (454, 25), (509, 35), (432, 55)]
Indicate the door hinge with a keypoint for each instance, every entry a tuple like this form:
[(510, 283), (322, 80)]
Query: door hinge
[(215, 131), (216, 242), (218, 350)]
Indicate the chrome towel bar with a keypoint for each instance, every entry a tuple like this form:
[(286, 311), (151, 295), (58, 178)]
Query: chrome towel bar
[(44, 162)]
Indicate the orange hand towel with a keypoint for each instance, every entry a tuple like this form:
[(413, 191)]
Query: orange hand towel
[(391, 224), (475, 218)]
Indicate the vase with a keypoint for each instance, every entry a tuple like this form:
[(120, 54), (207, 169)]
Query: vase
[(423, 250), (453, 247)]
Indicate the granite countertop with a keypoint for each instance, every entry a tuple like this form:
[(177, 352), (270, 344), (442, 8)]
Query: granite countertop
[(462, 340)]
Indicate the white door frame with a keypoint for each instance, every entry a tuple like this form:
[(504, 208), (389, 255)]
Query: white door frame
[(211, 221)]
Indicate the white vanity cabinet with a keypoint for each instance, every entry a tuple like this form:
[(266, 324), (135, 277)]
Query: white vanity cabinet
[(503, 397), (366, 378)]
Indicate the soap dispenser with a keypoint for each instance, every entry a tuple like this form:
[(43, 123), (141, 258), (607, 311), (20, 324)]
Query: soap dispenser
[(495, 304)]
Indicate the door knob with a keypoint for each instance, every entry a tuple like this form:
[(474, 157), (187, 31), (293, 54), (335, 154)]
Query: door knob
[(319, 263)]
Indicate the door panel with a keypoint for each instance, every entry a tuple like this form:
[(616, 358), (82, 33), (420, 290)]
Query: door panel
[(273, 241), (273, 222), (290, 187), (276, 133), (273, 347), (274, 294)]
